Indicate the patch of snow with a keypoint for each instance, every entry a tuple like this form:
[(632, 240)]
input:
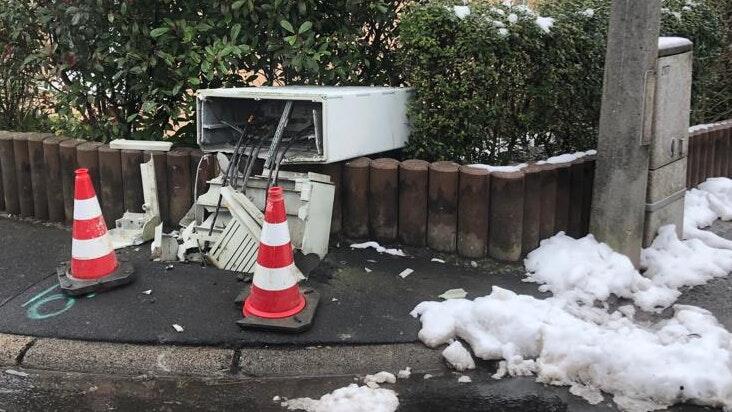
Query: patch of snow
[(16, 373), (178, 328), (491, 168), (406, 272), (458, 357), (404, 373), (512, 18), (380, 377), (427, 376), (670, 42), (566, 157), (545, 23), (378, 248), (454, 294), (464, 379), (437, 260), (461, 11), (498, 23), (588, 12), (367, 270), (276, 398), (503, 32), (352, 398), (147, 292)]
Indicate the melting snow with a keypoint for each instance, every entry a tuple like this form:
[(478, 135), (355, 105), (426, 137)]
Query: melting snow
[(352, 398), (491, 168), (568, 339), (545, 23), (459, 357), (378, 248), (461, 11)]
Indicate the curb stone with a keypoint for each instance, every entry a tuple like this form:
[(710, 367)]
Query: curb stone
[(168, 360)]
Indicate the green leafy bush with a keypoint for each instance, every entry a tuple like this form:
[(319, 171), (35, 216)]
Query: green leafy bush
[(505, 83), (129, 69), (23, 99)]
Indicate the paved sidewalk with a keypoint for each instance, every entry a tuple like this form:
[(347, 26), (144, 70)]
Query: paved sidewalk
[(357, 307)]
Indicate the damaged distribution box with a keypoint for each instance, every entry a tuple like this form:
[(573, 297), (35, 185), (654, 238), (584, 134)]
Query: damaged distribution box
[(328, 124)]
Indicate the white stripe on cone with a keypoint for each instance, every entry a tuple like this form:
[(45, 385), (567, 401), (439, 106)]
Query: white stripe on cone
[(275, 279), (275, 234), (91, 248), (86, 209)]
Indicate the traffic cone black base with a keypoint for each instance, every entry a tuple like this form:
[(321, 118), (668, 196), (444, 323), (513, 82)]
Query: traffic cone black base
[(300, 322), (123, 275)]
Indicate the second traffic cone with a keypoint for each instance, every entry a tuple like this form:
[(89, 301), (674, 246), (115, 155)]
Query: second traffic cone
[(275, 300), (94, 266)]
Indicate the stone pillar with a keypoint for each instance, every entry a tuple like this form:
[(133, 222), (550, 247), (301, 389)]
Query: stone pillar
[(618, 206)]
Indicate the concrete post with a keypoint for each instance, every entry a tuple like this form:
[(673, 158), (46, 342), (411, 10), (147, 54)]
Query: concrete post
[(618, 204)]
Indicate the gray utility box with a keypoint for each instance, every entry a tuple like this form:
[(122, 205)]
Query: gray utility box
[(326, 124), (670, 138)]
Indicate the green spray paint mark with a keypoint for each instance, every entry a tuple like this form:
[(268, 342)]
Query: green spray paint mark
[(36, 302)]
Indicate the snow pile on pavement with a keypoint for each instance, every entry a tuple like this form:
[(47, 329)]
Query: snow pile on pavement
[(459, 357), (711, 201), (373, 381), (570, 339), (378, 248), (352, 398), (688, 357)]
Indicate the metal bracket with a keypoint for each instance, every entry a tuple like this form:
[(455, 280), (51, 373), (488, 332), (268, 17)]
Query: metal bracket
[(647, 117), (652, 207)]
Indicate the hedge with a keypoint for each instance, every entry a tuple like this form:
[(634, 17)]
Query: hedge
[(119, 69), (501, 83)]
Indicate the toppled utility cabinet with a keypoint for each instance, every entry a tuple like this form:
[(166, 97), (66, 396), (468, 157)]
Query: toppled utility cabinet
[(326, 124), (670, 138)]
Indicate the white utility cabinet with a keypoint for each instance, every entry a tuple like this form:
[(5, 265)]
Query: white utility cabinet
[(329, 124)]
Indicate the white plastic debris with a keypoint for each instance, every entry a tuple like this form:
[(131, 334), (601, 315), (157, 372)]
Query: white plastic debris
[(464, 379), (437, 260), (458, 357), (147, 292), (178, 328), (378, 248), (16, 373), (454, 294), (406, 272), (352, 398), (404, 373)]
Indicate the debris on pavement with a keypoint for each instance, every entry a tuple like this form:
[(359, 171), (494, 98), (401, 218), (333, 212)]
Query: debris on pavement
[(138, 228), (406, 272), (376, 246), (464, 379), (458, 357), (454, 294), (404, 373), (16, 373), (178, 328)]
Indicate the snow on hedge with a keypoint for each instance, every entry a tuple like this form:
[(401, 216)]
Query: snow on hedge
[(569, 339)]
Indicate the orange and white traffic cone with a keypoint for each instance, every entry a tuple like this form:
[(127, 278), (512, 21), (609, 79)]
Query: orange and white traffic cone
[(94, 266), (275, 301)]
